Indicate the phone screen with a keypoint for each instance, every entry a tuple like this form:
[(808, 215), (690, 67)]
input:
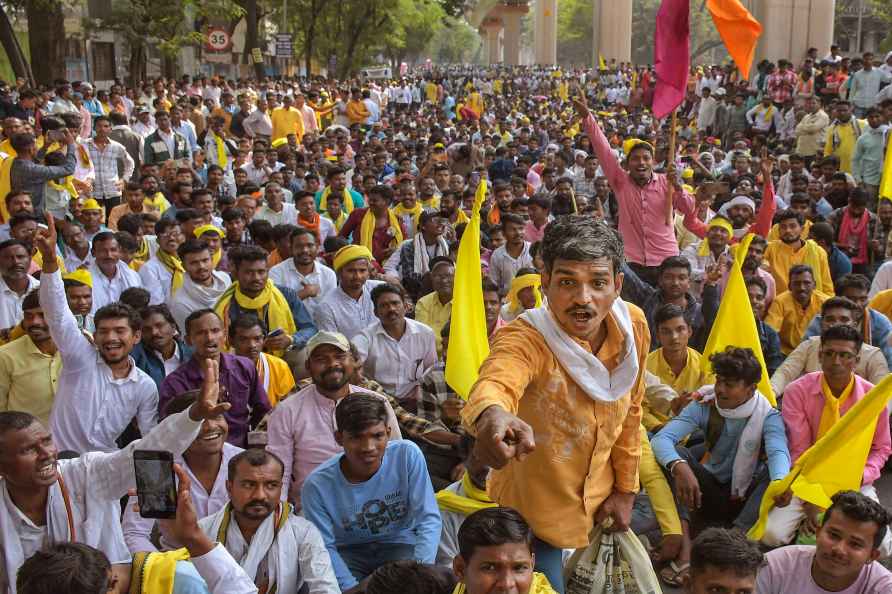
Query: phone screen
[(155, 485)]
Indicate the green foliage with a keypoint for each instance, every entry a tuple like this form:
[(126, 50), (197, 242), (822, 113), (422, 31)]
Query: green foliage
[(455, 43)]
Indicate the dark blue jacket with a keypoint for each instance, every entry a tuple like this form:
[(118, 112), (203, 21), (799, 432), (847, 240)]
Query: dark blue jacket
[(147, 360)]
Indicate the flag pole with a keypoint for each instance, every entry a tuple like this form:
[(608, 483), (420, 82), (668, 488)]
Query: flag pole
[(671, 155)]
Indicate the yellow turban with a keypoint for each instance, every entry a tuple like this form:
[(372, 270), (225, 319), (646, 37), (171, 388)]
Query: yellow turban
[(519, 283), (716, 221), (199, 231), (631, 143), (81, 275), (91, 204), (348, 253), (687, 174)]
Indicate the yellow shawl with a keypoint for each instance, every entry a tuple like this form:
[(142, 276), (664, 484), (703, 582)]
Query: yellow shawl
[(222, 157), (518, 283), (153, 573), (346, 200), (475, 500), (830, 414), (367, 229), (277, 314), (400, 211), (173, 264)]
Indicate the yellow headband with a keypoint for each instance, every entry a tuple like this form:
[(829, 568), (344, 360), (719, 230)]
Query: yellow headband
[(717, 221), (199, 231), (91, 204), (80, 275), (348, 253), (519, 283)]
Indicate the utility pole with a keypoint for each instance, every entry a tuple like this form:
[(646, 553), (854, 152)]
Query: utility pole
[(860, 26)]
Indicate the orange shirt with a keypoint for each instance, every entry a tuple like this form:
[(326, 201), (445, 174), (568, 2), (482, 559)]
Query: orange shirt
[(584, 448)]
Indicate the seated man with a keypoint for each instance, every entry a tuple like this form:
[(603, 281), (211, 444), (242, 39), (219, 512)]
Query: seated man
[(160, 350), (806, 358), (163, 273), (265, 534), (204, 462), (435, 308), (303, 272), (246, 335), (412, 259), (844, 558), (808, 416), (348, 308), (79, 294), (757, 290), (792, 310), (524, 293), (48, 500), (725, 561), (495, 553), (411, 577), (728, 488), (710, 251), (783, 254), (374, 502), (202, 285)]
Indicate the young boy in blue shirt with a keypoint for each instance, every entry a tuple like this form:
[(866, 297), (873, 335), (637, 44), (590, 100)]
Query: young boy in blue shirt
[(374, 503)]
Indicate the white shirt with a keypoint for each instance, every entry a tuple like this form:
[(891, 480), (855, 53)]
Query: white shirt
[(398, 365), (72, 262), (108, 290), (286, 274), (143, 129), (882, 280), (170, 365), (156, 279), (502, 267), (338, 312), (192, 297), (288, 215), (257, 175), (138, 530), (11, 302), (91, 408)]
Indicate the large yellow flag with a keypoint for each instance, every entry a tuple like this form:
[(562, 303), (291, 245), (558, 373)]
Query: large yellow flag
[(835, 462), (735, 324), (468, 341), (886, 183)]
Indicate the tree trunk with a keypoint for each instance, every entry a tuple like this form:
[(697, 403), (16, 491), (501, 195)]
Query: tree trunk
[(251, 41), (10, 43), (168, 66), (46, 39), (137, 63)]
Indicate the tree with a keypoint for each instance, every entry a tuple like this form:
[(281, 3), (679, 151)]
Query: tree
[(455, 43), (10, 43), (704, 36)]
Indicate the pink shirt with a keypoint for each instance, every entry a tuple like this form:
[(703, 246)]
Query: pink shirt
[(648, 239), (532, 233), (803, 405), (788, 569), (301, 433)]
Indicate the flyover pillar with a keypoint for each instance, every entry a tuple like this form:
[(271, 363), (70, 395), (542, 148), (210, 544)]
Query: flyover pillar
[(545, 31), (791, 27), (511, 17), (612, 30), (492, 26)]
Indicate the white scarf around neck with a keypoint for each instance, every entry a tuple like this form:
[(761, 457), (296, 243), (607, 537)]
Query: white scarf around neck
[(585, 368), (421, 261)]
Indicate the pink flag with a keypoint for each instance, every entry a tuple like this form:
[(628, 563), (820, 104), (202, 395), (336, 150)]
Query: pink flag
[(672, 55)]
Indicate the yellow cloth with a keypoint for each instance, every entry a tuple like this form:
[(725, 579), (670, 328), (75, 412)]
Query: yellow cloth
[(28, 378), (690, 379), (432, 313), (157, 202), (475, 103), (845, 149), (175, 266), (593, 447), (790, 319), (468, 341), (882, 302), (37, 258), (460, 218), (222, 156), (654, 482), (475, 500), (401, 211), (67, 185), (279, 381), (287, 121), (720, 222), (367, 229), (81, 275), (735, 323), (540, 585), (886, 181), (774, 232), (342, 218), (830, 414), (5, 185), (781, 257), (199, 231), (835, 462), (348, 253), (519, 283), (346, 201), (140, 256), (6, 147), (153, 573), (270, 306)]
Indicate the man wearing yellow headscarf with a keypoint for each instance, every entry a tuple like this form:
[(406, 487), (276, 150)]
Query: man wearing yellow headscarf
[(525, 293), (214, 237), (162, 275), (710, 251), (288, 322), (375, 227)]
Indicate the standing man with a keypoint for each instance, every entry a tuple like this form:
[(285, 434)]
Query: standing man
[(811, 131), (107, 155), (842, 135), (586, 422), (867, 162), (165, 143)]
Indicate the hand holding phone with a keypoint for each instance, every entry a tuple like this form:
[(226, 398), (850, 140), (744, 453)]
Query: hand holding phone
[(155, 485)]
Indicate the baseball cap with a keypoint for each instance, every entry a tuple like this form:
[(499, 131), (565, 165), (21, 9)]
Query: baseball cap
[(335, 339)]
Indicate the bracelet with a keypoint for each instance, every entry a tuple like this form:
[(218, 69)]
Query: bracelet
[(671, 467)]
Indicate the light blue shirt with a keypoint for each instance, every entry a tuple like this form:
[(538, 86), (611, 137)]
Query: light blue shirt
[(187, 129), (395, 506)]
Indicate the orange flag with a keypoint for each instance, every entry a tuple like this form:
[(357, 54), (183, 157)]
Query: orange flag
[(738, 29)]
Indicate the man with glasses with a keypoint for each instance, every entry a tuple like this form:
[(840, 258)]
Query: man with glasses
[(812, 405), (163, 274)]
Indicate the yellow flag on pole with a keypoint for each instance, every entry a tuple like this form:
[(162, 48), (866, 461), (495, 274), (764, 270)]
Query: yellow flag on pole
[(835, 462), (734, 324), (602, 63), (468, 341), (886, 182)]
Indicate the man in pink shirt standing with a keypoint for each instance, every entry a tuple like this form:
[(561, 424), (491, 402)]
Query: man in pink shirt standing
[(808, 415), (642, 197)]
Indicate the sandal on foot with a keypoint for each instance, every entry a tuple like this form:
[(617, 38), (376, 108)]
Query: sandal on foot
[(674, 574)]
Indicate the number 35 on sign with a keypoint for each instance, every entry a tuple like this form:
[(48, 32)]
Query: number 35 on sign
[(218, 39)]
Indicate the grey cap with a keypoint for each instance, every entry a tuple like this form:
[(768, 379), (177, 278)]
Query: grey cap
[(335, 339)]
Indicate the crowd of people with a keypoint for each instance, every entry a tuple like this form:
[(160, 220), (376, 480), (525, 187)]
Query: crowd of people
[(258, 277)]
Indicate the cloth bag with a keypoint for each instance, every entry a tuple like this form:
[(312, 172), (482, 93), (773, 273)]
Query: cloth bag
[(614, 563)]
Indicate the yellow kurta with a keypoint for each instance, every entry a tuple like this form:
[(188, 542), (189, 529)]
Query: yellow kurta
[(690, 379), (429, 311), (585, 448), (846, 145), (28, 378), (280, 381), (882, 302), (287, 121), (790, 319), (658, 491), (781, 257)]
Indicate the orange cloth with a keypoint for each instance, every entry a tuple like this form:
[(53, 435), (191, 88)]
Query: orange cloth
[(584, 448), (357, 112), (738, 29)]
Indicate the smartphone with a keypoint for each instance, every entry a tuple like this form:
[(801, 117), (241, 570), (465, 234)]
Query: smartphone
[(156, 488), (276, 332)]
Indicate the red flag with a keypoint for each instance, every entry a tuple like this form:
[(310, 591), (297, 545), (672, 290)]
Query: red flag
[(738, 29), (672, 55)]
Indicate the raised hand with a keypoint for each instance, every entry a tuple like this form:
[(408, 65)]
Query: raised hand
[(46, 244), (208, 406)]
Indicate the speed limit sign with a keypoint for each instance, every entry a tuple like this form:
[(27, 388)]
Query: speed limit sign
[(218, 39)]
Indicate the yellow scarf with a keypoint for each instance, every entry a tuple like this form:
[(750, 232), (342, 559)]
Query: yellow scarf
[(153, 573), (518, 283), (475, 500), (84, 156), (769, 112), (339, 222), (67, 186), (346, 200), (222, 157), (715, 222), (278, 313), (140, 256), (400, 211), (830, 414), (540, 585), (367, 229), (5, 185), (175, 266)]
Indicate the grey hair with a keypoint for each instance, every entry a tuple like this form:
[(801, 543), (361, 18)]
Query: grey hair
[(581, 238)]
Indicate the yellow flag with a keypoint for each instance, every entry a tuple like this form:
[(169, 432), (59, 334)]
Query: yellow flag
[(468, 341), (886, 183), (836, 461), (602, 63), (734, 324)]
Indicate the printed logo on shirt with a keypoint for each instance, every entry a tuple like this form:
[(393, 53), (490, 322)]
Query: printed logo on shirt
[(375, 515)]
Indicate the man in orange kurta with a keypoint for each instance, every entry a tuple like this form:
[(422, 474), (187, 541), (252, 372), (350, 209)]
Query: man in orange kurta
[(557, 405)]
